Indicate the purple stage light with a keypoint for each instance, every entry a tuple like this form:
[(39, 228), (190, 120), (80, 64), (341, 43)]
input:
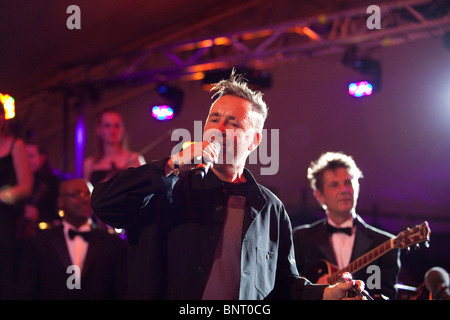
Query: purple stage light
[(162, 112), (360, 89)]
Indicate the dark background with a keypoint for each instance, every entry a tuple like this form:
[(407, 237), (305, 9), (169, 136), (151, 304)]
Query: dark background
[(398, 136)]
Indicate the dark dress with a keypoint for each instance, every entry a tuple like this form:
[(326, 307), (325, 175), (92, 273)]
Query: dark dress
[(9, 216), (98, 176)]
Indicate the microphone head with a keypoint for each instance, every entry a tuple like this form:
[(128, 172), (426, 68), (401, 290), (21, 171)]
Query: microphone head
[(436, 278)]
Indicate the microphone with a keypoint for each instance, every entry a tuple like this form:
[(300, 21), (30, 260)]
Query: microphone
[(202, 169), (437, 281), (347, 277)]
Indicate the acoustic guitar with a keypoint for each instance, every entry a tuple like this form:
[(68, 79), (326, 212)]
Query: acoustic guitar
[(405, 239)]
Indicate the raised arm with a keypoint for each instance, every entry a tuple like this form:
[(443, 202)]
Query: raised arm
[(22, 190), (118, 200)]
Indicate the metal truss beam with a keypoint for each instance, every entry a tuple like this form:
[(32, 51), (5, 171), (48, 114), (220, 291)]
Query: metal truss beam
[(259, 48)]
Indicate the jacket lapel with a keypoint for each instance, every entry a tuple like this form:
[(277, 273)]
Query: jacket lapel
[(362, 241), (92, 252), (323, 242), (255, 203), (58, 242)]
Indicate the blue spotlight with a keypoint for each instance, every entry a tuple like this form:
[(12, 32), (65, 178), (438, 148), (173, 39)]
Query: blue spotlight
[(162, 89)]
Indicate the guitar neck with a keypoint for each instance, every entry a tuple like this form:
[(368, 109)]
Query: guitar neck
[(363, 261)]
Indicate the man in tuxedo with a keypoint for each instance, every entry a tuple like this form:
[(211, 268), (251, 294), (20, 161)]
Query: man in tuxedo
[(342, 236), (52, 259)]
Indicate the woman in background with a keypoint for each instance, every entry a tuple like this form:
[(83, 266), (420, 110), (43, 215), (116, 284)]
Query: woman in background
[(112, 155), (16, 182), (42, 205)]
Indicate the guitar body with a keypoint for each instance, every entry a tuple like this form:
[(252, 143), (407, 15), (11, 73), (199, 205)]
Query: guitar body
[(319, 271)]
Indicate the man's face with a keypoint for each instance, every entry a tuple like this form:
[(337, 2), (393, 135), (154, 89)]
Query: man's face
[(75, 200), (231, 122), (340, 192)]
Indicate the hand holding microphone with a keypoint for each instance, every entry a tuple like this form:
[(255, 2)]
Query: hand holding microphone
[(346, 277), (212, 154), (208, 151)]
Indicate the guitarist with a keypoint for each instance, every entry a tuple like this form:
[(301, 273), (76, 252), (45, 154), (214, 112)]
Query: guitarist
[(330, 244)]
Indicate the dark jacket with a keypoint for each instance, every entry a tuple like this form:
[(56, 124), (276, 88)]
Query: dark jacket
[(174, 225), (44, 268), (312, 245)]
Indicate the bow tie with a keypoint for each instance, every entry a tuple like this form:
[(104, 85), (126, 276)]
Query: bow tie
[(332, 230), (84, 235)]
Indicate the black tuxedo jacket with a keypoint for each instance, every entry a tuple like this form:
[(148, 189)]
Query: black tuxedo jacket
[(43, 270), (312, 244)]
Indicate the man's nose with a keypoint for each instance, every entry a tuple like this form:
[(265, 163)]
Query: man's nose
[(221, 127)]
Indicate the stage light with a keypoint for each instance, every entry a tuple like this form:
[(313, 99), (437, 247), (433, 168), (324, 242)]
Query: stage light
[(368, 67), (360, 89), (162, 89), (171, 105), (80, 142), (8, 105), (162, 112), (371, 83), (43, 225)]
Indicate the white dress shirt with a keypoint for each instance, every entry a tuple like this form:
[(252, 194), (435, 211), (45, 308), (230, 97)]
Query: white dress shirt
[(77, 246), (342, 243)]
